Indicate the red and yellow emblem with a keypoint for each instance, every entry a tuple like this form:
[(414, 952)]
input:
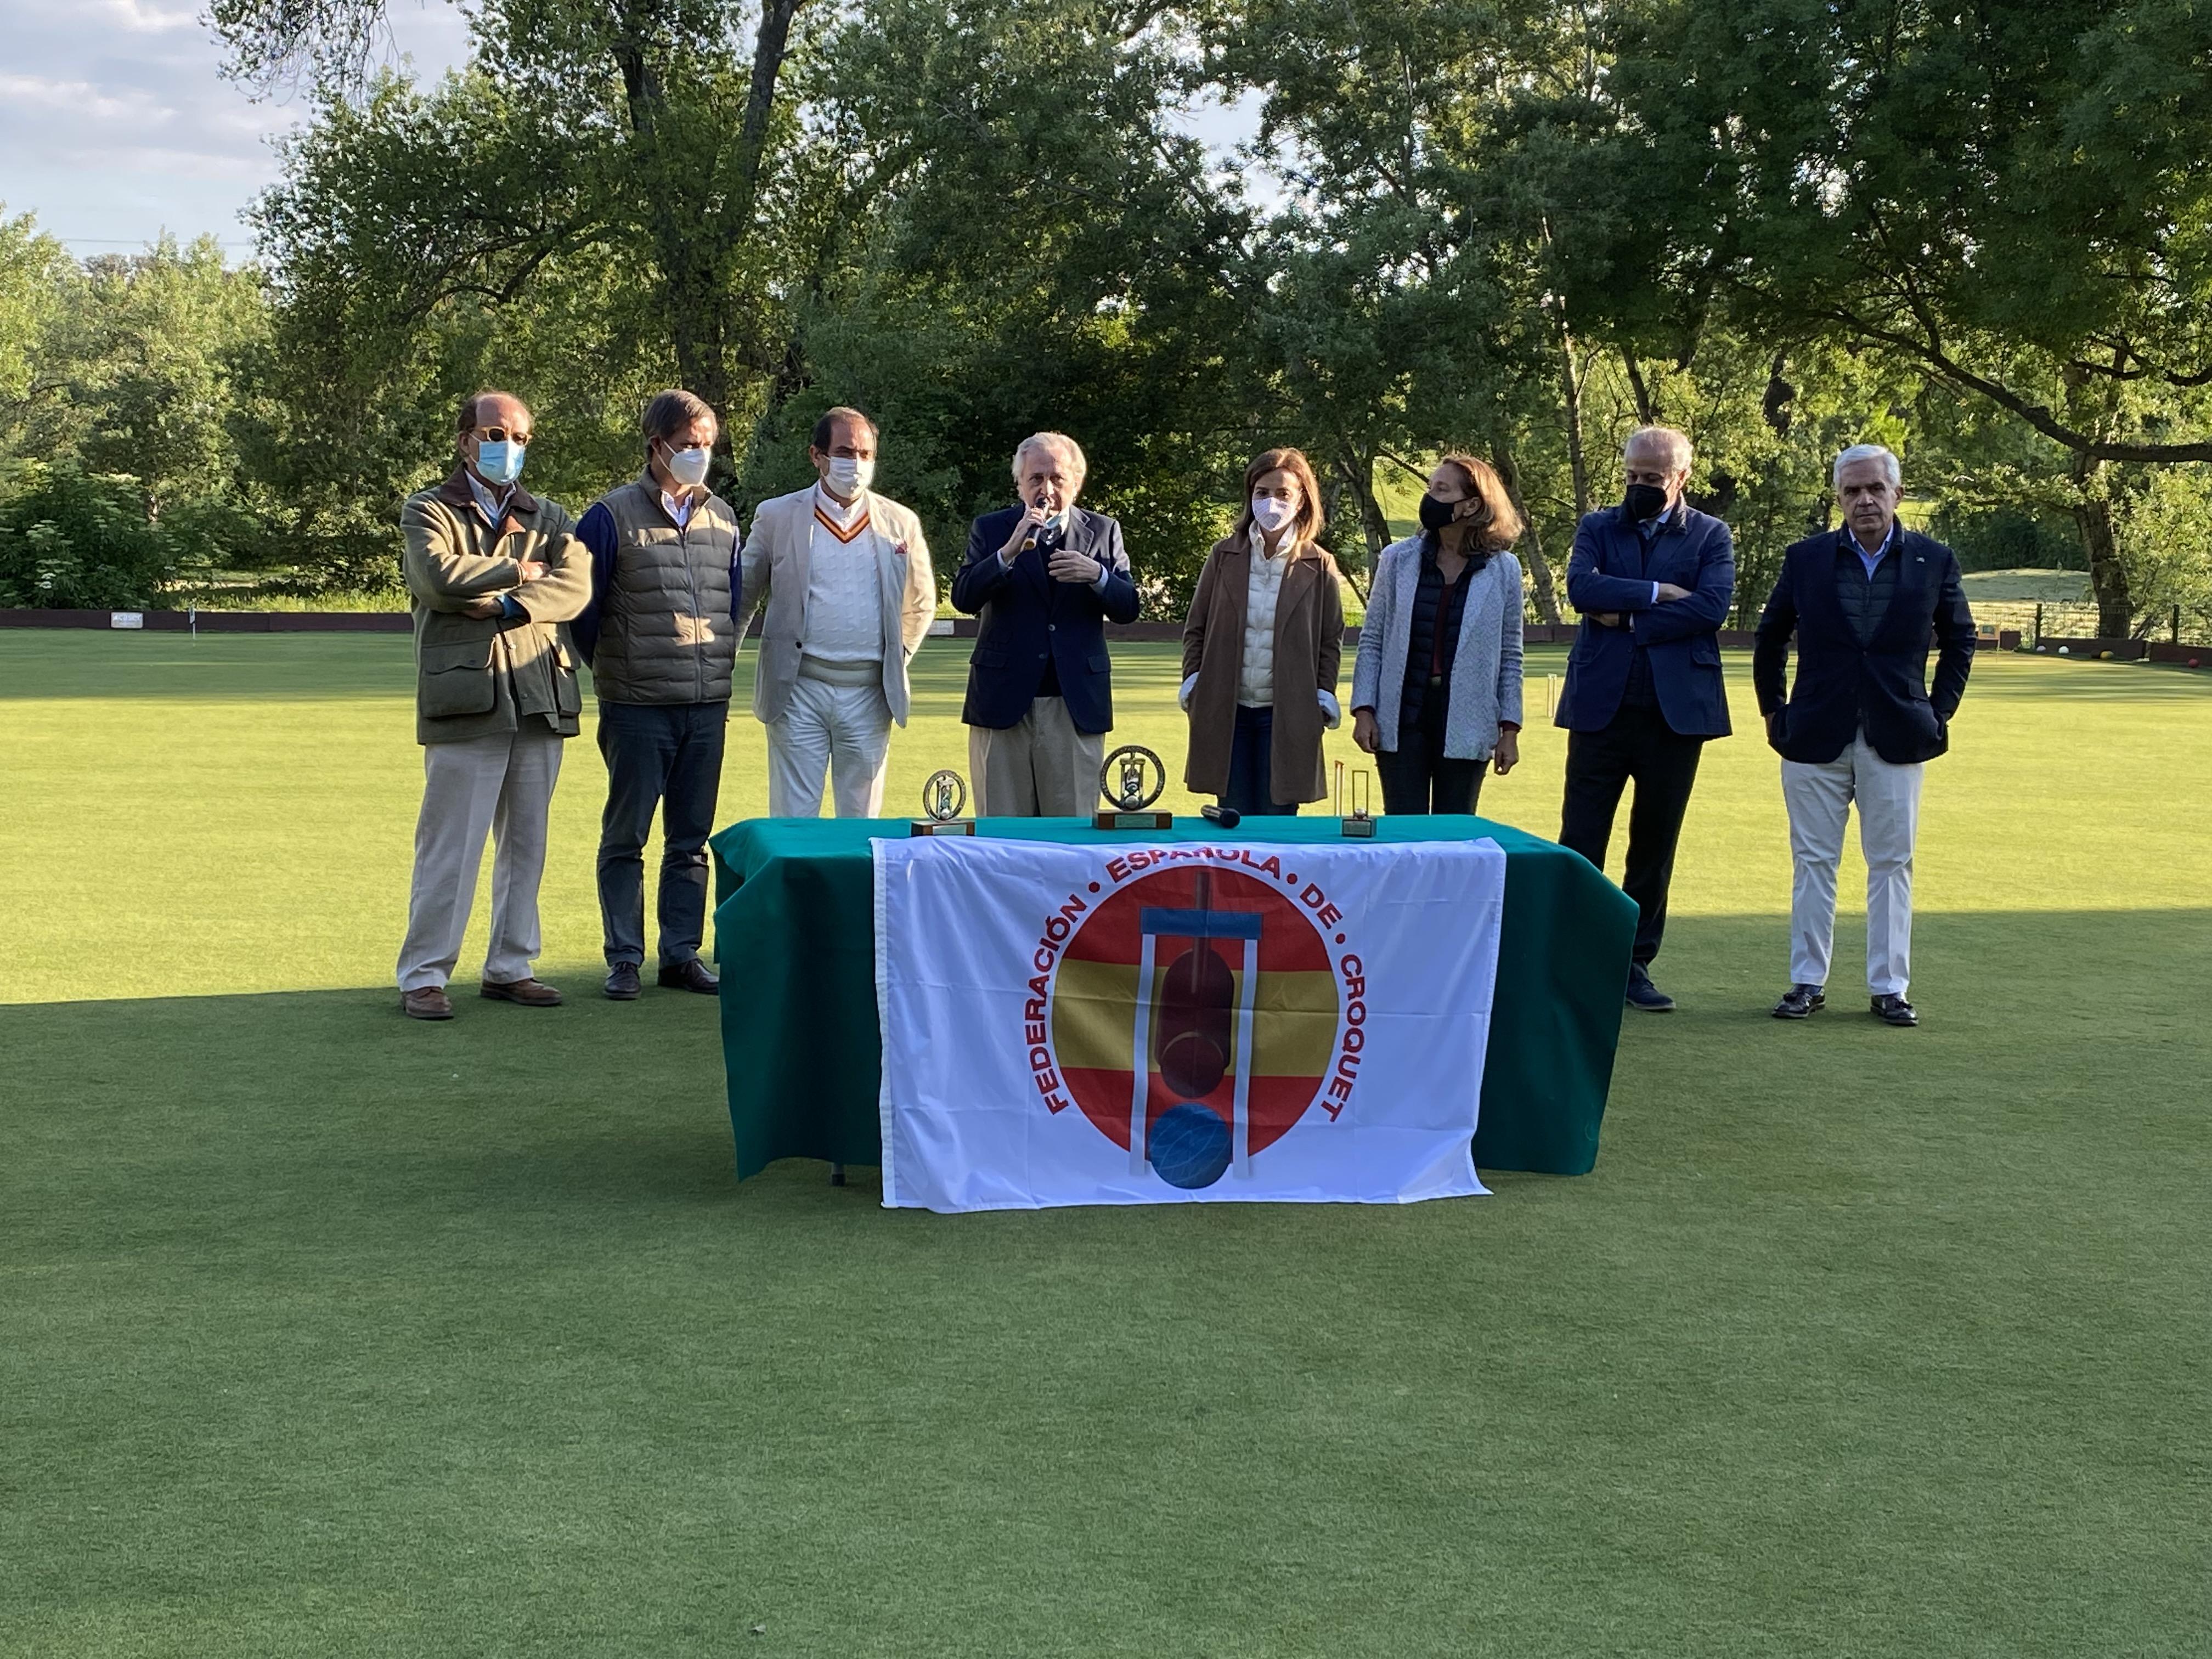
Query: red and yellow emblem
[(1193, 1018)]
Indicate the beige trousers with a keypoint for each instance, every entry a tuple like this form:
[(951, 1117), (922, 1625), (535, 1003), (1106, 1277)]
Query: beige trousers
[(499, 786), (1040, 767), (1819, 799), (843, 732)]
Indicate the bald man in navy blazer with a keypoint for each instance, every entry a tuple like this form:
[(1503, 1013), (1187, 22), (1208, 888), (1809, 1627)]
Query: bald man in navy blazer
[(1653, 578)]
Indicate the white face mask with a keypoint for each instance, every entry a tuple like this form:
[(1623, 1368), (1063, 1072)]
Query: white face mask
[(847, 475), (689, 466), (1272, 512)]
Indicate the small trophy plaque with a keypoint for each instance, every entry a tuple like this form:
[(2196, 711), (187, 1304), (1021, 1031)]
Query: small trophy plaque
[(1123, 782), (1359, 821), (942, 798)]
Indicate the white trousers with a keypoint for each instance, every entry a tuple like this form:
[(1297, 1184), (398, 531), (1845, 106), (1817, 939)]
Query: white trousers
[(844, 730), (1039, 767), (499, 786), (1819, 798)]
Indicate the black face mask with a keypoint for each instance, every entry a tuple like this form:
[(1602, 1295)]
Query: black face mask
[(1645, 501), (1436, 514)]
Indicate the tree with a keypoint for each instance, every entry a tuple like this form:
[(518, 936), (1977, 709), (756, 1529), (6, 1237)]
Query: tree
[(2010, 199), (621, 128), (35, 275)]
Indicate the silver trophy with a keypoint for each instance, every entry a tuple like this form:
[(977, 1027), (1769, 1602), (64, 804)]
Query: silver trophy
[(1359, 822)]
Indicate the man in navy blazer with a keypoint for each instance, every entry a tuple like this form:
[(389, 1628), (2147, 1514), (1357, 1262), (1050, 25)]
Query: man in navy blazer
[(1864, 604), (1044, 576), (1653, 578)]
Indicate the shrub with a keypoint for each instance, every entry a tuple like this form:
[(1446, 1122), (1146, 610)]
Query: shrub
[(70, 539)]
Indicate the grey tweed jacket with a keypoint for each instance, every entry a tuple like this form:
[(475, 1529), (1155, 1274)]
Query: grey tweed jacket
[(1486, 678)]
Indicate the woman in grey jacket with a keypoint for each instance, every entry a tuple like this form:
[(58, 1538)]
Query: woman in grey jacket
[(1436, 692)]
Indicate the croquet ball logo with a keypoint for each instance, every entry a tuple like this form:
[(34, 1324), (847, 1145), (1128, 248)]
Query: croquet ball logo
[(1193, 1018)]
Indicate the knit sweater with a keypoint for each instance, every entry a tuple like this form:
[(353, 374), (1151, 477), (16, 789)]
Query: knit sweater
[(844, 579)]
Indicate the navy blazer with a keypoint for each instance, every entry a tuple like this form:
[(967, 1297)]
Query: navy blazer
[(1882, 686), (1609, 572), (1028, 618)]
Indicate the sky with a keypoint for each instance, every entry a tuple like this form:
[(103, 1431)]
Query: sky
[(117, 124)]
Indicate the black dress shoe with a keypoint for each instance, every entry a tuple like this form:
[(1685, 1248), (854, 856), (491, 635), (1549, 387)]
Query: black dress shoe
[(692, 975), (1800, 1000), (1894, 1010), (1643, 993), (622, 984)]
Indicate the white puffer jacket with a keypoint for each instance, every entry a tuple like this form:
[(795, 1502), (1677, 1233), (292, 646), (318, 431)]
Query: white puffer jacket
[(1256, 678)]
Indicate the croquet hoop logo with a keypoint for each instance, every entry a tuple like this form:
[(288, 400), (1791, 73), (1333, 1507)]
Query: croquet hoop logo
[(1196, 1004)]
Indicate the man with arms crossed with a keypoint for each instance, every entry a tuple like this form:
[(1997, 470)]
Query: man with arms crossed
[(495, 574), (1864, 604), (1653, 578), (846, 577)]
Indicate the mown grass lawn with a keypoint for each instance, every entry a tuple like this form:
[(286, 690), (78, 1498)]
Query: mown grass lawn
[(323, 1332)]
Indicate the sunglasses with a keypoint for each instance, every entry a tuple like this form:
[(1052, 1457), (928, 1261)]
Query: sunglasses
[(500, 434)]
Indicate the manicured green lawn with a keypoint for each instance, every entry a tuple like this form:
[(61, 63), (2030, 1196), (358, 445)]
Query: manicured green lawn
[(326, 1333)]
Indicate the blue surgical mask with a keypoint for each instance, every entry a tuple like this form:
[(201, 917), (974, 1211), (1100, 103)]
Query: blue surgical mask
[(500, 463)]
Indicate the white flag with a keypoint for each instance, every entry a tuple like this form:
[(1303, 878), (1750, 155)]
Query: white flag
[(1118, 1024)]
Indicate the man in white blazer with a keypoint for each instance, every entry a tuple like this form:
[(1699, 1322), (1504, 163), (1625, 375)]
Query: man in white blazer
[(846, 577)]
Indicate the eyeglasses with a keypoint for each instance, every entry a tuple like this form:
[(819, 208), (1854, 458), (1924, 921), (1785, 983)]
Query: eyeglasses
[(500, 434)]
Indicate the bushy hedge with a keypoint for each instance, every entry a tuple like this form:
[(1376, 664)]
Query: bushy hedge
[(71, 539)]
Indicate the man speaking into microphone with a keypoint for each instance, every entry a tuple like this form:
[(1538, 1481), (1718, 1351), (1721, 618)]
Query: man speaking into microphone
[(1044, 576)]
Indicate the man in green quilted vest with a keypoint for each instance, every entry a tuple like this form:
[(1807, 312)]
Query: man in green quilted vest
[(496, 573), (660, 636)]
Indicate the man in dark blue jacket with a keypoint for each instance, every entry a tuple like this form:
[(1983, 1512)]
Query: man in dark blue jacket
[(1045, 576), (1865, 604), (1653, 578)]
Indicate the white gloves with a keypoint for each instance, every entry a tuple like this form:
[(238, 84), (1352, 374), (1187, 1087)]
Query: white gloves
[(1183, 698)]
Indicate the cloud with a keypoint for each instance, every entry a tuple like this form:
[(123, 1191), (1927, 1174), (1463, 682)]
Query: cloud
[(116, 122), (81, 100), (141, 19)]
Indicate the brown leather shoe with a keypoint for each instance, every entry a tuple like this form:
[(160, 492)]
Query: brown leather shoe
[(530, 993), (430, 1002)]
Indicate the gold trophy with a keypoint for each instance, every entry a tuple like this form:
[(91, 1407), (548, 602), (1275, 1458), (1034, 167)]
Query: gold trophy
[(1359, 821), (1122, 781), (942, 798)]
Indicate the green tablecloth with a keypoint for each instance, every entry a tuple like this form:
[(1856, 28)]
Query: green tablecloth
[(794, 934)]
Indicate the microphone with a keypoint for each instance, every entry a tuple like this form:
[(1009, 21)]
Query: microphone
[(1044, 535), (1227, 817)]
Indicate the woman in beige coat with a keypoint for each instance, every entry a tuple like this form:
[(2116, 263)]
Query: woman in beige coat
[(1260, 652)]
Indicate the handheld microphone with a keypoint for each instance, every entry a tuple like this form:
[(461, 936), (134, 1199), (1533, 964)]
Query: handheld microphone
[(1042, 535), (1227, 817)]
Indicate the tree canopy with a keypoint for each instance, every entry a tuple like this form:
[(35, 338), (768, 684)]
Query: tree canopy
[(1516, 227)]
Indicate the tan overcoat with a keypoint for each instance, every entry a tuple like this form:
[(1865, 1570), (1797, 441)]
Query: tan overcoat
[(1308, 643)]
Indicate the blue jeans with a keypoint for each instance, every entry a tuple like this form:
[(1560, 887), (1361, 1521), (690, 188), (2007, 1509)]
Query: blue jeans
[(1251, 765), (667, 756)]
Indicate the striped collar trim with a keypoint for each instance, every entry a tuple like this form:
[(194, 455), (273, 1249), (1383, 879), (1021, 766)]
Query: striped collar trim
[(843, 533)]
